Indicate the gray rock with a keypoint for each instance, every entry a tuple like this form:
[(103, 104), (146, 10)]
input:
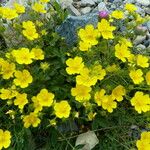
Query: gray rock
[(140, 47), (73, 10), (139, 39), (140, 11), (86, 10), (143, 2), (65, 3), (129, 1), (70, 26), (89, 139), (87, 2), (102, 6), (148, 25)]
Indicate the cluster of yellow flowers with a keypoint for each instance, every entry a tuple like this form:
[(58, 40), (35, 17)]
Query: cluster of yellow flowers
[(144, 142), (11, 13), (87, 77), (29, 30), (17, 9)]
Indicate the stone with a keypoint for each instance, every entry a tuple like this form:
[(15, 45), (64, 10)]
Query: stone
[(140, 47), (68, 29), (73, 10), (89, 139), (86, 10), (148, 25), (65, 3), (102, 6), (87, 2), (139, 39), (143, 2), (140, 11)]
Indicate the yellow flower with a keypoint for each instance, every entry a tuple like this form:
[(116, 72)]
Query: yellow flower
[(106, 29), (5, 139), (98, 72), (75, 65), (126, 42), (108, 103), (91, 116), (130, 7), (118, 93), (39, 8), (44, 32), (38, 53), (39, 23), (7, 93), (45, 98), (98, 97), (144, 142), (62, 109), (142, 61), (23, 56), (81, 93), (21, 100), (23, 79), (31, 119), (7, 69), (85, 78), (8, 13), (117, 14), (36, 104), (147, 77), (112, 68), (28, 24), (30, 34), (136, 76), (44, 66), (89, 35), (84, 46), (122, 52), (44, 1), (19, 8), (141, 102)]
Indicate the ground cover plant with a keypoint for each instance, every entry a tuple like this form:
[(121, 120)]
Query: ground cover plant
[(50, 92)]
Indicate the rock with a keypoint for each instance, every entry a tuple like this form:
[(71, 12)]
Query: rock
[(87, 2), (140, 11), (89, 139), (73, 10), (143, 2), (130, 1), (86, 10), (147, 10), (139, 39), (148, 25), (140, 47), (65, 3), (102, 6), (68, 29)]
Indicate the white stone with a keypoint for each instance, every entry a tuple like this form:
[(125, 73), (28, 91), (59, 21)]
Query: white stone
[(86, 10), (87, 2), (74, 11), (139, 39), (102, 6), (89, 139), (143, 2), (65, 3)]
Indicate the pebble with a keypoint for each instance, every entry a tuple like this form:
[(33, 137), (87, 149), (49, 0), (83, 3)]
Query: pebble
[(102, 6), (87, 2), (140, 47), (85, 10), (143, 2), (139, 39)]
